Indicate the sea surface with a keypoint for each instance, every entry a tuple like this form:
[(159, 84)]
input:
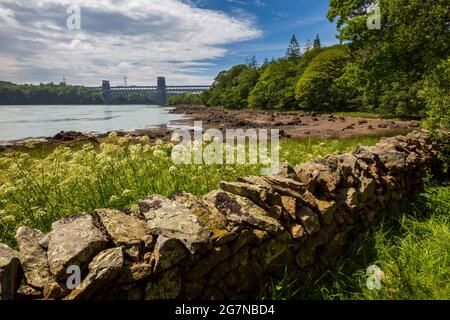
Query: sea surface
[(37, 121)]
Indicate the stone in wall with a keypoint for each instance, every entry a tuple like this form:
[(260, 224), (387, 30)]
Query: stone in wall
[(74, 240), (10, 271), (33, 257)]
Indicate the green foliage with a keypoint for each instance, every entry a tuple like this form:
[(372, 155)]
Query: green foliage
[(293, 52), (231, 88), (411, 247), (275, 87), (13, 94), (317, 44), (186, 98), (133, 98), (436, 93), (317, 88), (389, 64)]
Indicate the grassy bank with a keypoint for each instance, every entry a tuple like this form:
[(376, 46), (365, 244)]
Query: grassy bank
[(40, 185), (411, 247)]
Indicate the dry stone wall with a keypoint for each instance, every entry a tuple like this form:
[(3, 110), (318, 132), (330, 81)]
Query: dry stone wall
[(234, 242)]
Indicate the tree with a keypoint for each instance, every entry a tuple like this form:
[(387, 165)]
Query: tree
[(414, 38), (275, 87), (317, 43), (252, 62), (317, 88), (50, 93), (436, 93), (293, 52), (231, 88), (308, 45)]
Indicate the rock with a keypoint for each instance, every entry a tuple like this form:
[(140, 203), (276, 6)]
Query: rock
[(284, 170), (33, 257), (318, 177), (240, 211), (297, 231), (414, 124), (326, 209), (362, 121), (175, 220), (104, 268), (124, 230), (382, 125), (309, 220), (74, 240), (135, 272), (55, 291), (213, 259), (149, 205), (367, 188), (166, 286), (168, 252), (263, 196), (393, 160), (212, 219), (305, 256), (290, 205), (28, 293), (10, 272)]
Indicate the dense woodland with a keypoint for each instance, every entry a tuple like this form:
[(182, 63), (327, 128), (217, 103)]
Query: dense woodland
[(402, 69), (50, 93)]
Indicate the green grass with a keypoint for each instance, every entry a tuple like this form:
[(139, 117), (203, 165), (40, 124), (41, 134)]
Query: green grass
[(41, 184), (412, 248)]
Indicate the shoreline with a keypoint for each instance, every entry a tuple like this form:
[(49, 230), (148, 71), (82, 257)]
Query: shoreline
[(290, 123)]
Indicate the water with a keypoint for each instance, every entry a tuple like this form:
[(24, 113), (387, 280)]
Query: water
[(19, 122)]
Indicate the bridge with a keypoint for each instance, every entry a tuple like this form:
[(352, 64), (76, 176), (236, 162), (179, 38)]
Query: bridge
[(157, 94)]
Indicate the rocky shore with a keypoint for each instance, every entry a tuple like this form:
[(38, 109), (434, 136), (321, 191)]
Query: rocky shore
[(291, 125)]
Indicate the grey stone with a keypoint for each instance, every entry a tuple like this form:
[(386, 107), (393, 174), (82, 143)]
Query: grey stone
[(168, 252), (124, 230), (241, 211), (10, 271), (33, 257), (104, 268), (175, 220), (74, 240)]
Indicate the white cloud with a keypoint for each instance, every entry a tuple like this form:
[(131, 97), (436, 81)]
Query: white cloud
[(137, 38)]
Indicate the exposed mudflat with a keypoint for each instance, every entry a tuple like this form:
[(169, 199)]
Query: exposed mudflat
[(292, 124)]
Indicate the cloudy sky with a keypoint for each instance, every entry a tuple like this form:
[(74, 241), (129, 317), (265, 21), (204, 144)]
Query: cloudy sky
[(188, 41)]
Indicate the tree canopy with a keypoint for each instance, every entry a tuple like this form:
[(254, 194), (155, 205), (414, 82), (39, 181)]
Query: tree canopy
[(50, 93)]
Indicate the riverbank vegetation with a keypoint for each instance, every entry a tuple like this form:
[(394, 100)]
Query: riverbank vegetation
[(401, 69)]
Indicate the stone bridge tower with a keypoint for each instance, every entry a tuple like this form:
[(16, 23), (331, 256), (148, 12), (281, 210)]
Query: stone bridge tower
[(106, 89), (161, 94)]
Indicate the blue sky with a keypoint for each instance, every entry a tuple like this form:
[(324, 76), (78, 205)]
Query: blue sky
[(188, 41), (278, 20)]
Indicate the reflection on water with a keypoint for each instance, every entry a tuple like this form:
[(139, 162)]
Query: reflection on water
[(18, 122)]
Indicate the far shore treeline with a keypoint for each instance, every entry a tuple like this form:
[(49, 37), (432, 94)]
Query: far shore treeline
[(50, 93), (402, 69)]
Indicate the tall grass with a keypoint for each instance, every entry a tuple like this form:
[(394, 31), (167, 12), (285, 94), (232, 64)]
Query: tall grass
[(412, 248), (39, 186)]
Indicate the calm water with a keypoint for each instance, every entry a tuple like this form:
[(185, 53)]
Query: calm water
[(18, 122)]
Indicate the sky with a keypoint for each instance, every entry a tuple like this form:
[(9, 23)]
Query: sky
[(187, 41)]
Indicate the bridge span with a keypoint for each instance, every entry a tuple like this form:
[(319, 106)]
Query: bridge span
[(158, 94)]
